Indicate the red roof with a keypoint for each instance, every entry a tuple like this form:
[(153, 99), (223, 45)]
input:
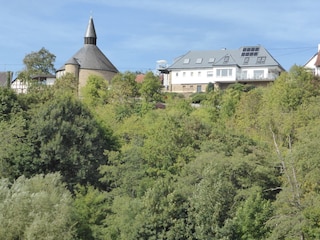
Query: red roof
[(317, 63), (140, 78)]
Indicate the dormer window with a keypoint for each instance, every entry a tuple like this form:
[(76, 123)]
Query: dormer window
[(211, 60), (226, 59), (199, 60), (186, 60), (261, 60), (246, 60)]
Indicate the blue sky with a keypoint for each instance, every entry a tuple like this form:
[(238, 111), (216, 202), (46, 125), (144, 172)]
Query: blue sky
[(134, 34)]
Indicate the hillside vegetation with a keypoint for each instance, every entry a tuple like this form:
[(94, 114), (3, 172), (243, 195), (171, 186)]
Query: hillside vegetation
[(106, 163)]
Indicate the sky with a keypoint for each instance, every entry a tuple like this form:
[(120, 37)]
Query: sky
[(134, 34)]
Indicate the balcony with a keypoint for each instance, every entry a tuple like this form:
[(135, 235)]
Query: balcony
[(256, 77)]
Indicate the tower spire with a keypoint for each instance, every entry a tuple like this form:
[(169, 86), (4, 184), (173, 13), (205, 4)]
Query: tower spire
[(90, 35)]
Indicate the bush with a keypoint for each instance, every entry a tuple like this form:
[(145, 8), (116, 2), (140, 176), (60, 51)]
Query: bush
[(198, 97)]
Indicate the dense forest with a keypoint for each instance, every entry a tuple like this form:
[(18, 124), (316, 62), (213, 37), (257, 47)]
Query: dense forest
[(109, 163)]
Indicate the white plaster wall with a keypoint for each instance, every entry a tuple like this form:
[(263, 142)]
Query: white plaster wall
[(191, 76)]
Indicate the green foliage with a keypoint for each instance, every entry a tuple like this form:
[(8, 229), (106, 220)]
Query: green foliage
[(251, 217), (37, 63), (198, 97), (13, 125), (67, 84), (164, 213), (245, 119), (229, 101), (123, 223), (96, 91), (9, 104), (124, 87), (242, 165), (35, 208), (222, 182), (14, 148), (210, 87), (150, 88), (300, 191), (66, 138), (90, 207), (123, 94)]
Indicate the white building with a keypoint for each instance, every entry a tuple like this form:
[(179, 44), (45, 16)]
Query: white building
[(22, 86), (314, 63), (248, 65)]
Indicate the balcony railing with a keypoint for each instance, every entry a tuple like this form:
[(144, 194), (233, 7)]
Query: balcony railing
[(255, 77)]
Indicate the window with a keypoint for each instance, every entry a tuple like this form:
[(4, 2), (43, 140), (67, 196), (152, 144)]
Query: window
[(211, 60), (246, 60), (209, 73), (184, 74), (186, 60), (261, 60), (199, 74), (199, 60), (258, 74), (191, 74), (244, 74), (177, 74), (226, 59), (224, 72)]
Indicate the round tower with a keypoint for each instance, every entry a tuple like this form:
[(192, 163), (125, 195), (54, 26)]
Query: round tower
[(72, 67)]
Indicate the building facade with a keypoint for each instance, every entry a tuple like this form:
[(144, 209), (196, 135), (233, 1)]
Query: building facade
[(314, 63), (21, 86), (193, 71), (89, 60)]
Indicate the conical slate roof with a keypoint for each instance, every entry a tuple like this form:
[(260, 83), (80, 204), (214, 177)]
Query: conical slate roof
[(91, 31), (90, 56)]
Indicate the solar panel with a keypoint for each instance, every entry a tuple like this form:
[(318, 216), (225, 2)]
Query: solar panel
[(250, 51)]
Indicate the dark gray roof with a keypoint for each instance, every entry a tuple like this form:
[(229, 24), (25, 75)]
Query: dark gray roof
[(248, 56), (91, 57), (4, 78), (90, 32)]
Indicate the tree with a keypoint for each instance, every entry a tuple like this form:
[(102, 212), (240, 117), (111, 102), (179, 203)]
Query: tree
[(150, 88), (36, 63), (66, 138), (164, 213), (13, 125), (251, 217), (67, 84), (36, 208), (96, 91), (230, 99), (123, 94), (90, 208), (210, 87), (10, 104), (124, 88)]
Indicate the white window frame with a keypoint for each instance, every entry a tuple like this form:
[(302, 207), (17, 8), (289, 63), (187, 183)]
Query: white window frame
[(224, 72), (258, 74)]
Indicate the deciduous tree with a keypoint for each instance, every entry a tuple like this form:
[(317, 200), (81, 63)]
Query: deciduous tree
[(36, 208), (37, 63)]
